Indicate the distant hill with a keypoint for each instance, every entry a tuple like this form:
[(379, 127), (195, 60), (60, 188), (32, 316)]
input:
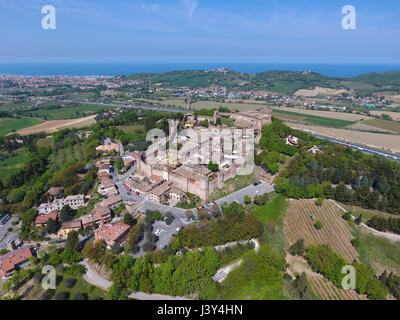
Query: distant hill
[(283, 82)]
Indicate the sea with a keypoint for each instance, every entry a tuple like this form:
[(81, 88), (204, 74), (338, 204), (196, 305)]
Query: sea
[(119, 68)]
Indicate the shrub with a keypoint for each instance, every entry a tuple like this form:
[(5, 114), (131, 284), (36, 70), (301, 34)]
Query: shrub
[(347, 216), (298, 248), (319, 202), (318, 225), (81, 296), (157, 215), (70, 282), (356, 242), (62, 295)]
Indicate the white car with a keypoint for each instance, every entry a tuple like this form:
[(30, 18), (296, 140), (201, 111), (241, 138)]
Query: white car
[(158, 232)]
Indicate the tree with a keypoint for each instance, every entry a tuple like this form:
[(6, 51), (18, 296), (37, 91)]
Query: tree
[(129, 220), (319, 201), (52, 226), (298, 248), (116, 249), (67, 214), (62, 295), (318, 225), (347, 216), (247, 199), (214, 167), (189, 214), (70, 282), (157, 215), (203, 213), (169, 218), (72, 242)]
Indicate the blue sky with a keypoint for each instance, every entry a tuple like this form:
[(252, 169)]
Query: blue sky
[(200, 31)]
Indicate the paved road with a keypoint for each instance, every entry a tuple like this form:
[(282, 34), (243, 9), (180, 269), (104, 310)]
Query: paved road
[(362, 148), (3, 232), (250, 191), (97, 280), (128, 106)]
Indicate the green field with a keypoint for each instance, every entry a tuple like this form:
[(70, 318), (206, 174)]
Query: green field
[(67, 112), (61, 156), (8, 125), (11, 165), (46, 142), (273, 211), (379, 252), (331, 122), (232, 185), (130, 129), (81, 286)]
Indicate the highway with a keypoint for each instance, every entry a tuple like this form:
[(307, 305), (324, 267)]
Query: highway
[(128, 106), (356, 146)]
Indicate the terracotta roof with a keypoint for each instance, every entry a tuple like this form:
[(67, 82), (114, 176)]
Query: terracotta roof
[(72, 224), (54, 191), (11, 259), (41, 219), (112, 232), (153, 177), (110, 201)]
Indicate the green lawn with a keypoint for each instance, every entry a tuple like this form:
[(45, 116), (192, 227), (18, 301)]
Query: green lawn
[(273, 211), (68, 112), (11, 165), (8, 125), (379, 252), (46, 142), (81, 286), (61, 156), (130, 129), (323, 121), (232, 185)]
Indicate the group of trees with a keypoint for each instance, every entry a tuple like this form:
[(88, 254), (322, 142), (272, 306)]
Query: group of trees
[(233, 225), (385, 224), (330, 264), (350, 177)]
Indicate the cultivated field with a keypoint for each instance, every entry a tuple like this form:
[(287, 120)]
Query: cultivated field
[(376, 140), (326, 290), (55, 125), (326, 114), (9, 125), (320, 91), (394, 115), (335, 231)]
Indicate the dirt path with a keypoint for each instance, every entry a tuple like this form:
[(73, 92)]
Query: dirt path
[(387, 235)]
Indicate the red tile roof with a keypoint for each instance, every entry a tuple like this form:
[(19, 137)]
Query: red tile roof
[(42, 219), (112, 232), (11, 259)]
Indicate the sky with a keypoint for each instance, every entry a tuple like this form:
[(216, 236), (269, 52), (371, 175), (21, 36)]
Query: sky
[(200, 31)]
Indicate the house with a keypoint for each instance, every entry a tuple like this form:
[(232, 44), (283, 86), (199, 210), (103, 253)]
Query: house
[(41, 220), (112, 234), (293, 141), (108, 148), (103, 213), (13, 260), (105, 185), (159, 193), (90, 219), (67, 227), (176, 194), (111, 202), (54, 193), (75, 202)]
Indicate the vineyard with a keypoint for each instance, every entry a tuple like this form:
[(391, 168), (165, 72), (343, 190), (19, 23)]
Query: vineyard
[(335, 231), (326, 290)]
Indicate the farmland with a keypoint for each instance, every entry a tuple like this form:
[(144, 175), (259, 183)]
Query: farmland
[(376, 140), (53, 126), (61, 156), (335, 230), (326, 290), (8, 125), (53, 111), (318, 120), (11, 162)]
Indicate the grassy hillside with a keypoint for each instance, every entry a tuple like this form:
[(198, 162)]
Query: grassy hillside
[(284, 82)]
